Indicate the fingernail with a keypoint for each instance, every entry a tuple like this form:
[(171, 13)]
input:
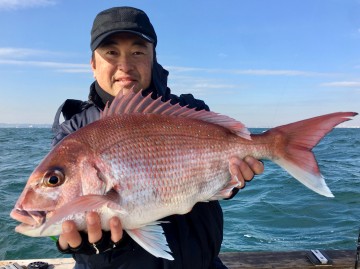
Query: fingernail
[(90, 220), (67, 228), (115, 222), (248, 160)]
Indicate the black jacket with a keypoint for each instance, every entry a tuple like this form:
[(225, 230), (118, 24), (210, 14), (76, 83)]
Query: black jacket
[(194, 238)]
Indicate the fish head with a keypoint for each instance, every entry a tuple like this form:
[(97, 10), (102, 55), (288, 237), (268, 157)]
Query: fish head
[(54, 183)]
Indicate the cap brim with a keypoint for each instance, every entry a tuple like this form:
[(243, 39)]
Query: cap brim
[(96, 43)]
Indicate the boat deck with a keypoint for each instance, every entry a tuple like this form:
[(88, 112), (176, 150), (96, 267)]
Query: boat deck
[(339, 259)]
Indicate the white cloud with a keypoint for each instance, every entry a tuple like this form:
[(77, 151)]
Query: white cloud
[(22, 57), (184, 69), (206, 85), (18, 4), (61, 67), (268, 72), (346, 84), (8, 52), (255, 72), (222, 55), (201, 85)]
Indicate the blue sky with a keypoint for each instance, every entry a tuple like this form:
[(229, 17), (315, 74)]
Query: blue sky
[(263, 62)]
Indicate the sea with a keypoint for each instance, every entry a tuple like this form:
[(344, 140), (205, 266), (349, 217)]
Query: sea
[(273, 212)]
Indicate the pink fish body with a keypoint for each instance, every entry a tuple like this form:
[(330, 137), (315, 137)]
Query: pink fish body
[(146, 159)]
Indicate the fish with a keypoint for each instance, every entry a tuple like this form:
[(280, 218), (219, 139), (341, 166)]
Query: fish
[(146, 159)]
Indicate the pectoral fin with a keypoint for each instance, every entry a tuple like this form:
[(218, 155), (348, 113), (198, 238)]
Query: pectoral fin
[(83, 204)]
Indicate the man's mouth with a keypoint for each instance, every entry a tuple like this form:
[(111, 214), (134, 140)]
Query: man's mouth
[(125, 80)]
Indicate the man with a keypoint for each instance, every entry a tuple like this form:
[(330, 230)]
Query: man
[(123, 43)]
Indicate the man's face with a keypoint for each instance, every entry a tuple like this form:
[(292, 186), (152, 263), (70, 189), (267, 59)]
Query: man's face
[(123, 61)]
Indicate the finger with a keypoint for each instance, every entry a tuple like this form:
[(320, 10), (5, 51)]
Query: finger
[(116, 229), (235, 172), (70, 236), (246, 171), (255, 165), (94, 227)]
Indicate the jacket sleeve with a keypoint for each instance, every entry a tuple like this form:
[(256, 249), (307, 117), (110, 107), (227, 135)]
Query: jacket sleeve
[(189, 101), (76, 114)]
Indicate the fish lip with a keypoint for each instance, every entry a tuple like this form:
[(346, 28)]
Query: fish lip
[(34, 218), (29, 230)]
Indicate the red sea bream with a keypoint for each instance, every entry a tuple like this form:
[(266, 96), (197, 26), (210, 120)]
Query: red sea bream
[(146, 159)]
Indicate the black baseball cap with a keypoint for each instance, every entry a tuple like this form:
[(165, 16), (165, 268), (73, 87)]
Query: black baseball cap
[(121, 19)]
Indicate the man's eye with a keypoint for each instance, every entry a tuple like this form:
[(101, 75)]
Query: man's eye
[(111, 52), (138, 53)]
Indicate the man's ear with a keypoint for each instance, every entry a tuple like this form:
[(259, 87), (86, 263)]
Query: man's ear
[(93, 64)]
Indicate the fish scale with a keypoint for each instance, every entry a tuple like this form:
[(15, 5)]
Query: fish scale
[(132, 159)]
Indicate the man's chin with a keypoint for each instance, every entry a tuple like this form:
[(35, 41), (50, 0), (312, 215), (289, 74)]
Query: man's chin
[(127, 89)]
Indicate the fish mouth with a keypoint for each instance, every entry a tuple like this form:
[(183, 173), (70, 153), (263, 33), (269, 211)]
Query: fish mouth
[(29, 218), (33, 223)]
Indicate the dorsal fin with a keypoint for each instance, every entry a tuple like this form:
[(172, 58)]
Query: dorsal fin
[(133, 102)]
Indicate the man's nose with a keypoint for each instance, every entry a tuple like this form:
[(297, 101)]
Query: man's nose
[(125, 64)]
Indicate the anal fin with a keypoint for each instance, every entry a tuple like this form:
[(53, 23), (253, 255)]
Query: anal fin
[(151, 237)]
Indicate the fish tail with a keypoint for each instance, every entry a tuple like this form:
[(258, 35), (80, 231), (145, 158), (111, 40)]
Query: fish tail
[(293, 144)]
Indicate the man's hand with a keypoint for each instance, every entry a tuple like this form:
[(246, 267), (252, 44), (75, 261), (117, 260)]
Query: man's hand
[(71, 238), (245, 169)]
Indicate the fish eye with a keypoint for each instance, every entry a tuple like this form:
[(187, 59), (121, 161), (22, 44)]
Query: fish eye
[(53, 178)]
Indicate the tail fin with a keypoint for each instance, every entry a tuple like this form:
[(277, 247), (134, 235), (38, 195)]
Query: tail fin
[(300, 138)]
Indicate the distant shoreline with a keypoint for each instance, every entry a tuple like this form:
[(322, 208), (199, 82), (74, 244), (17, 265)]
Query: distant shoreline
[(24, 125)]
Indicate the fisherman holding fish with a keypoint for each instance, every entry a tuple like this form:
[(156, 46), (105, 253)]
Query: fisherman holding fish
[(147, 166), (123, 43)]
